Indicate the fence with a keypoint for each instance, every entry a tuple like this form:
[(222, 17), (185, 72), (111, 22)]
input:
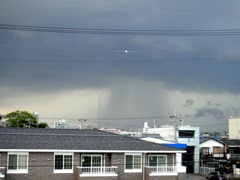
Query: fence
[(206, 170), (99, 170), (163, 169)]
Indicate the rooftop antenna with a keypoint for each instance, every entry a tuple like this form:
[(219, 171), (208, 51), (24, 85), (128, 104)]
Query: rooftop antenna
[(99, 106), (181, 119), (173, 118), (154, 125)]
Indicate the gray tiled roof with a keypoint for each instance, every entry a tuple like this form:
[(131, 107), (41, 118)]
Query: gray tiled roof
[(73, 139), (232, 142)]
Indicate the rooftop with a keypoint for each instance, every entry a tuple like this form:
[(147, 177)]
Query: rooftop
[(39, 139)]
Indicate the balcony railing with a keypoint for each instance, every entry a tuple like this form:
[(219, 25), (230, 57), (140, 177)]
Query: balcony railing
[(219, 155), (2, 172), (233, 156), (163, 169), (98, 170), (206, 170)]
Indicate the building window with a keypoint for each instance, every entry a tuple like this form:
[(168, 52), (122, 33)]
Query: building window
[(133, 162), (91, 160), (158, 162), (186, 134), (218, 152), (92, 163), (18, 162), (205, 151), (63, 162)]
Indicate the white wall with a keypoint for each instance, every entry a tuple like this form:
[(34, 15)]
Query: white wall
[(210, 144), (234, 128), (192, 142), (168, 133)]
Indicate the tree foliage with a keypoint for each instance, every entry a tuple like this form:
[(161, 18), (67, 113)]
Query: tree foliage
[(23, 119), (42, 125)]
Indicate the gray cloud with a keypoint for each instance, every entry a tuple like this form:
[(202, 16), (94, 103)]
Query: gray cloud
[(209, 112), (188, 64), (214, 104), (188, 103)]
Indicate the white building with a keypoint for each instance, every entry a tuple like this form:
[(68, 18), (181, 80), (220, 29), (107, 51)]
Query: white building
[(166, 132), (184, 135), (234, 128), (190, 136)]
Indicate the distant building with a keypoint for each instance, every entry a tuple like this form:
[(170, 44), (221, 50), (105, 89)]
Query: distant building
[(233, 155), (213, 152), (190, 136), (234, 128), (183, 135), (116, 131), (2, 123), (166, 132)]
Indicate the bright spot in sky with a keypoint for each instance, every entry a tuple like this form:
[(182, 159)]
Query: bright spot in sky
[(126, 51)]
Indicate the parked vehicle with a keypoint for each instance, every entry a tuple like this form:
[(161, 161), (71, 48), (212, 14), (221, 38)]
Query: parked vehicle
[(217, 176)]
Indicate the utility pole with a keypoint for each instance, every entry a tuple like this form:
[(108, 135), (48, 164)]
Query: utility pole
[(175, 126), (174, 118), (99, 106)]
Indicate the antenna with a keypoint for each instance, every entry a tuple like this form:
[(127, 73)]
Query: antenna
[(174, 118), (154, 125), (181, 119), (99, 106)]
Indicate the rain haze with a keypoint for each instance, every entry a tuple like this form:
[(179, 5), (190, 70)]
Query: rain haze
[(122, 62)]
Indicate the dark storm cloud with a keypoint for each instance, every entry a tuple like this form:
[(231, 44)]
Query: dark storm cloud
[(188, 103), (35, 63), (209, 112), (214, 104), (190, 63)]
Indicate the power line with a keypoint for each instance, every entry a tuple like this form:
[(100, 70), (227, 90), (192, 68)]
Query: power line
[(219, 32), (141, 11), (216, 59), (67, 49), (227, 58), (114, 118)]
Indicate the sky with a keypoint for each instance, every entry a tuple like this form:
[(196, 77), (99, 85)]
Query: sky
[(189, 68)]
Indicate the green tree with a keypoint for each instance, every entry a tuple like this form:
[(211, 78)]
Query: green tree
[(21, 119), (42, 125)]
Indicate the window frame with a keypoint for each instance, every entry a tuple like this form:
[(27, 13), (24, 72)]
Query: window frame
[(91, 157), (134, 162), (18, 169), (63, 170), (186, 133), (92, 163), (218, 150), (157, 156)]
